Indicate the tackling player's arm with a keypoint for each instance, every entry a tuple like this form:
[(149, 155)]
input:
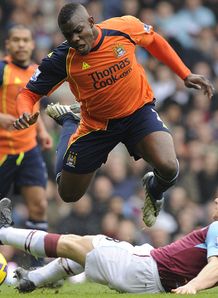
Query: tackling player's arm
[(208, 276), (49, 76)]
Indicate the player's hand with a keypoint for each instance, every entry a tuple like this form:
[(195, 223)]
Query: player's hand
[(201, 83), (186, 289), (45, 140), (6, 121), (25, 120)]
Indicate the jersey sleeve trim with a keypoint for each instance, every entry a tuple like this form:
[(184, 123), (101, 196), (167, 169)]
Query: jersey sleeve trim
[(69, 62), (51, 73), (56, 87), (212, 240), (112, 32)]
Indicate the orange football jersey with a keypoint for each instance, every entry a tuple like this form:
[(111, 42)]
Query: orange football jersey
[(108, 81), (14, 79)]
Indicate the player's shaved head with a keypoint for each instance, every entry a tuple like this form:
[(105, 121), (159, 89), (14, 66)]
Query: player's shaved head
[(78, 27), (69, 10)]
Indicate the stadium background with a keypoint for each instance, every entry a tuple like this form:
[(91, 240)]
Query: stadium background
[(113, 202)]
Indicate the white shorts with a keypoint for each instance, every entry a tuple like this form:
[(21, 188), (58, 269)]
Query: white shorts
[(122, 266)]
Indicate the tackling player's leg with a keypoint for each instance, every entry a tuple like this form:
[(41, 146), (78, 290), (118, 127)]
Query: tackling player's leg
[(102, 258), (50, 274), (40, 244)]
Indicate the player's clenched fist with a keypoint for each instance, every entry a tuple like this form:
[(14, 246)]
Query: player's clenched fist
[(25, 120)]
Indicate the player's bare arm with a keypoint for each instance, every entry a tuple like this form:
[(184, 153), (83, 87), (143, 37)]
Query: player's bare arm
[(199, 82), (207, 278)]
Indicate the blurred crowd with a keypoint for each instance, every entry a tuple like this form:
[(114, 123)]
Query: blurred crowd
[(113, 203)]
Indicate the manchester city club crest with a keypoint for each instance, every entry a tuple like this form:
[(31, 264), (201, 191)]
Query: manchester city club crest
[(71, 159), (119, 51)]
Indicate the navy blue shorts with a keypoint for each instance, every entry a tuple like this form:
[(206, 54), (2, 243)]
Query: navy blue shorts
[(88, 152), (22, 170)]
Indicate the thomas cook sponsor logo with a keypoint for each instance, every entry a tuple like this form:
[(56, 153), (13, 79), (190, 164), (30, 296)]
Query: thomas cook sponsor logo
[(110, 75), (119, 51), (71, 159)]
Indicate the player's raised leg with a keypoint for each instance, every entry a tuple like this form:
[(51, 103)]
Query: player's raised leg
[(69, 119), (158, 150), (71, 186)]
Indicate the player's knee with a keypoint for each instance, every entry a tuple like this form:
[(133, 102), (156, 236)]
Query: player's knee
[(168, 168)]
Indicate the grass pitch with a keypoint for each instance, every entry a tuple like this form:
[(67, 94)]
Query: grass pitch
[(91, 290)]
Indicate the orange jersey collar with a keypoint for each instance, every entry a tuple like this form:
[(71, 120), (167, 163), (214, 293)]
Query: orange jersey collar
[(98, 37)]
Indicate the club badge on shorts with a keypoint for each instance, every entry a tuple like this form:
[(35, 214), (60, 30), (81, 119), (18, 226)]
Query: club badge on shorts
[(71, 159)]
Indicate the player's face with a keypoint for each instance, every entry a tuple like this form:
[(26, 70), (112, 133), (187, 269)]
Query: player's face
[(79, 33), (215, 212), (20, 45)]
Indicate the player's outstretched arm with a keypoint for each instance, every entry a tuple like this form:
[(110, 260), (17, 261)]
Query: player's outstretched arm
[(25, 101), (162, 50), (207, 278)]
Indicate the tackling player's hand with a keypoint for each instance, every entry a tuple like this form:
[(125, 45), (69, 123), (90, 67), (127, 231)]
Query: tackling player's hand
[(25, 120), (186, 289), (199, 82)]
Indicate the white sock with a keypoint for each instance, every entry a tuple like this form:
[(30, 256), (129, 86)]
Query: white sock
[(55, 270), (31, 241)]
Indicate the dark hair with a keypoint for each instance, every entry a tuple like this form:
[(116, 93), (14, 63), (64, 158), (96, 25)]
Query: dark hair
[(19, 27), (67, 12)]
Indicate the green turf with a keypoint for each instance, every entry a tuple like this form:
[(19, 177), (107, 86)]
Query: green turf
[(90, 290)]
